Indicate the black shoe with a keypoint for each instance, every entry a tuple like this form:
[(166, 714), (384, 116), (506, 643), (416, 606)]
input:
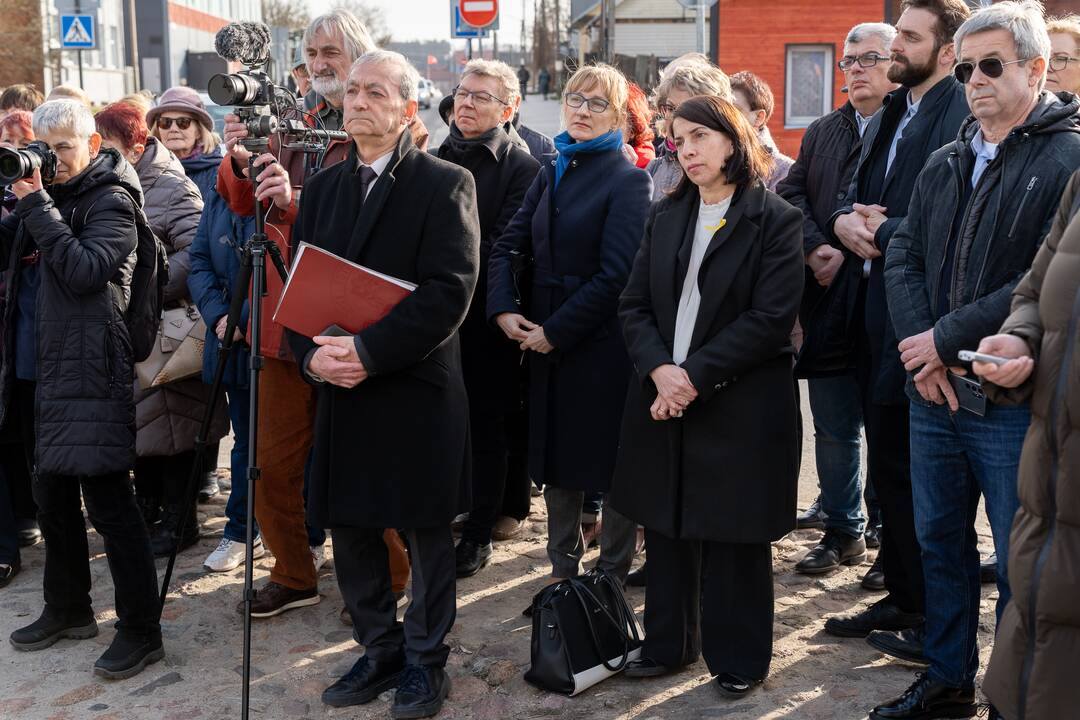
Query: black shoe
[(150, 510), (364, 682), (28, 532), (471, 557), (872, 536), (53, 625), (162, 540), (834, 550), (811, 518), (734, 686), (420, 693), (637, 578), (208, 487), (988, 570), (645, 667), (928, 700), (874, 579), (8, 572), (906, 645), (128, 655), (882, 615)]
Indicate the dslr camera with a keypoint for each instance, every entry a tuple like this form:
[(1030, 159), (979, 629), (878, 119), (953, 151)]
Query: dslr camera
[(18, 164)]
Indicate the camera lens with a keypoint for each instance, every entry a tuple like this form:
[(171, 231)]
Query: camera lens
[(233, 89), (16, 164)]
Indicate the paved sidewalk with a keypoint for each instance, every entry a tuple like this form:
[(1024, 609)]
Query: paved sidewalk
[(542, 115)]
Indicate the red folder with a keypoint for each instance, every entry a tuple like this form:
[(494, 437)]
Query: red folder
[(324, 290)]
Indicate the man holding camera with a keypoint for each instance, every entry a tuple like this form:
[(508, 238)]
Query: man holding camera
[(286, 404), (66, 380), (394, 386)]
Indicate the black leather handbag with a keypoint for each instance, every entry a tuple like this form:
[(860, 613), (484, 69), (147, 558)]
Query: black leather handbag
[(583, 632)]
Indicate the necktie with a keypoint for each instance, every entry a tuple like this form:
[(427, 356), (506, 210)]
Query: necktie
[(367, 177)]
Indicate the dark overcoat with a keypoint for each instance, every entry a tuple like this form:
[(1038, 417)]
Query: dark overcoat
[(583, 236), (393, 452), (727, 470)]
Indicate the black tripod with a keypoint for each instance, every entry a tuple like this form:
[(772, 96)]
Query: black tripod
[(253, 272)]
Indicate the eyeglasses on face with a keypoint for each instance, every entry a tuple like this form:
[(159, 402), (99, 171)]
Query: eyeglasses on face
[(667, 109), (1058, 63), (576, 100), (990, 67), (479, 98), (866, 60), (167, 122)]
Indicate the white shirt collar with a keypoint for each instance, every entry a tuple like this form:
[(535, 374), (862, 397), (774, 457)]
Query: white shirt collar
[(982, 148), (379, 164)]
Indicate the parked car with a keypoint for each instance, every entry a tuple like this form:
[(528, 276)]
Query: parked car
[(424, 93)]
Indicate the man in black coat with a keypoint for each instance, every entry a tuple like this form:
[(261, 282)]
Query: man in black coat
[(979, 213), (483, 105), (391, 427), (915, 121), (67, 383), (817, 184)]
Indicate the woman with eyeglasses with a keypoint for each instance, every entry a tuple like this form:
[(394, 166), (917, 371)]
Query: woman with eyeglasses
[(708, 455), (580, 223), (1064, 70), (483, 104)]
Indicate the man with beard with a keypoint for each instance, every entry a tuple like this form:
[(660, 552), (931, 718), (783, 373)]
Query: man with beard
[(287, 404), (924, 114)]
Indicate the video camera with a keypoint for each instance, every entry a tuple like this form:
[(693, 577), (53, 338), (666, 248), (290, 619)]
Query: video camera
[(265, 108), (18, 164)]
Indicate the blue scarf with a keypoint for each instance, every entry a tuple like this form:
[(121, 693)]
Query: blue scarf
[(568, 147)]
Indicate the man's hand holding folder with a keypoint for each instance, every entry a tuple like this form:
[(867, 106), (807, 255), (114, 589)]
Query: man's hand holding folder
[(330, 300)]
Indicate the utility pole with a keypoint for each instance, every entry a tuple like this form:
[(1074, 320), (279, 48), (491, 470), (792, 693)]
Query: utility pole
[(702, 46), (607, 30), (134, 44), (78, 53)]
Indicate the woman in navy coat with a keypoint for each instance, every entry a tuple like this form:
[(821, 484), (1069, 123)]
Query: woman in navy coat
[(581, 222)]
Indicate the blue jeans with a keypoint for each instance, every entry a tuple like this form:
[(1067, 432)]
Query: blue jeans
[(954, 458), (236, 507), (836, 405)]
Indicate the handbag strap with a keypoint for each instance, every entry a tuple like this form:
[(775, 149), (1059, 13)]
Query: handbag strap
[(582, 591)]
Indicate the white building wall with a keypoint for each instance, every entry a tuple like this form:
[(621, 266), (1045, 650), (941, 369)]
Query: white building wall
[(665, 40), (105, 77)]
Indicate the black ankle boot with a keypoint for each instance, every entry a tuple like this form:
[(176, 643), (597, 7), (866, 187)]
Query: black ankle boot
[(187, 532), (128, 654)]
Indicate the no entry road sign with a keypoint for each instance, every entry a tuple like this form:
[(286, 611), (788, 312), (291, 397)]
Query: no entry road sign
[(479, 13)]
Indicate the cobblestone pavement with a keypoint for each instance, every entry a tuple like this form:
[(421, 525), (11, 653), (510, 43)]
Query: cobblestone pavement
[(813, 677)]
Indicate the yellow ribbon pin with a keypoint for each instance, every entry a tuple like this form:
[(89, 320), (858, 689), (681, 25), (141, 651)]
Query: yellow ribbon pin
[(714, 228)]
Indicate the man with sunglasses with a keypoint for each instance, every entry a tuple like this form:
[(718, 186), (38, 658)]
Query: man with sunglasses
[(924, 114), (979, 212), (817, 184)]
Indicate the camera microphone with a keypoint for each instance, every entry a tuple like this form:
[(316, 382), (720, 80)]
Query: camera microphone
[(245, 42)]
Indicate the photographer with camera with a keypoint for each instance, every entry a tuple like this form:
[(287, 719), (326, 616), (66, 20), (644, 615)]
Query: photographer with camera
[(287, 404), (66, 379)]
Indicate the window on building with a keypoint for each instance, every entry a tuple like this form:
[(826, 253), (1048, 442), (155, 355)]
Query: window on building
[(808, 84)]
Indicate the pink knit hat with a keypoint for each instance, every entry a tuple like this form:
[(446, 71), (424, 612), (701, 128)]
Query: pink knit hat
[(181, 99)]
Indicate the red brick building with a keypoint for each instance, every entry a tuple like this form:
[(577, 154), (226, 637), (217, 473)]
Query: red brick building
[(794, 46)]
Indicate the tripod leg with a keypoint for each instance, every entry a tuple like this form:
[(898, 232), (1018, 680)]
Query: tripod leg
[(236, 308)]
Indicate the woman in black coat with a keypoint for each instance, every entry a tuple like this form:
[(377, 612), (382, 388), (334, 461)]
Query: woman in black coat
[(708, 456), (581, 222)]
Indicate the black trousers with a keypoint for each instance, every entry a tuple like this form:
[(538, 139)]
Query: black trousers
[(363, 573), (500, 480), (110, 503), (888, 461), (709, 598), (17, 449)]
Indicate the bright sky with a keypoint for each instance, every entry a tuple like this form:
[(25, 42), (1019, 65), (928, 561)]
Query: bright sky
[(430, 19)]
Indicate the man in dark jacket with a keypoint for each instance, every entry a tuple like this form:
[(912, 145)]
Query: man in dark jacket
[(915, 121), (391, 427), (817, 184), (484, 101), (980, 210), (66, 383)]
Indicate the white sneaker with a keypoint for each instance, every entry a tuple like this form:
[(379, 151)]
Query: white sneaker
[(229, 555), (318, 556)]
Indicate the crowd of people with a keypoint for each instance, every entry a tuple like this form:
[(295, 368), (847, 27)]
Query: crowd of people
[(618, 316)]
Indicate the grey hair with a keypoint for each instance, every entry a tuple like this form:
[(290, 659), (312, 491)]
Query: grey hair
[(1024, 20), (495, 69), (696, 79), (864, 31), (410, 78), (356, 37), (65, 114)]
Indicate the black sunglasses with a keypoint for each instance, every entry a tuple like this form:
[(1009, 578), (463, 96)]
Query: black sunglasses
[(990, 67), (181, 122)]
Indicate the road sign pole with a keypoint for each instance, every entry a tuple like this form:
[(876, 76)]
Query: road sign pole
[(701, 47), (81, 84)]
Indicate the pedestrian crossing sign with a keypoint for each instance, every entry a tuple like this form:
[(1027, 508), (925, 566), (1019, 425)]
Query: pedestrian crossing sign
[(77, 32)]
